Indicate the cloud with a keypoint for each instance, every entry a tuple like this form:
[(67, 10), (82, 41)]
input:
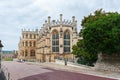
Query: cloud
[(18, 14)]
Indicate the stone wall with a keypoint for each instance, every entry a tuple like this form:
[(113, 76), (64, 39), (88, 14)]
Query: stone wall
[(108, 62), (62, 62)]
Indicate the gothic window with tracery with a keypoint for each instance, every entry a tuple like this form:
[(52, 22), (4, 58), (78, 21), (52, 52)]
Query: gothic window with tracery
[(66, 41), (55, 42)]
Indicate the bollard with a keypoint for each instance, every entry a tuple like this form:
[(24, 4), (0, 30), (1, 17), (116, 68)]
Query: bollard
[(65, 62)]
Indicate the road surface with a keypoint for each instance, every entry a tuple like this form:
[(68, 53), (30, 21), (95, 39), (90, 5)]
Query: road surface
[(24, 71)]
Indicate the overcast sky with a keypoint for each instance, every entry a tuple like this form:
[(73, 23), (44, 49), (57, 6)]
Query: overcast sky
[(31, 14)]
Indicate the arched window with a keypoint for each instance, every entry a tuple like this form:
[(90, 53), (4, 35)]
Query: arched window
[(32, 53), (34, 36), (22, 43), (66, 41), (55, 42), (26, 52), (26, 43), (22, 53), (26, 36), (30, 43), (30, 36), (34, 44)]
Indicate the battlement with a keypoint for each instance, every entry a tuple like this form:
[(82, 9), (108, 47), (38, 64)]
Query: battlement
[(64, 22), (29, 30), (51, 23), (60, 21), (56, 23)]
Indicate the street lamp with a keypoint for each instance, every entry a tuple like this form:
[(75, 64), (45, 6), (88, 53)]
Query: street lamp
[(65, 60), (0, 53)]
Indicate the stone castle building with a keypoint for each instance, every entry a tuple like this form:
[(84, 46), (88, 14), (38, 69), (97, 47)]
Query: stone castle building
[(53, 41), (27, 45), (56, 39)]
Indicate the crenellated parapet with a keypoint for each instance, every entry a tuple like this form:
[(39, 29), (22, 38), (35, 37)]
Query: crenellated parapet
[(29, 30), (29, 33), (58, 23), (61, 21)]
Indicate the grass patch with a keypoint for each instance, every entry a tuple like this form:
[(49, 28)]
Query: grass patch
[(8, 59), (31, 60)]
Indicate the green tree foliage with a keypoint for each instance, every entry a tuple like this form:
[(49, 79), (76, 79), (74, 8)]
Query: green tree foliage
[(101, 33), (8, 59), (83, 55)]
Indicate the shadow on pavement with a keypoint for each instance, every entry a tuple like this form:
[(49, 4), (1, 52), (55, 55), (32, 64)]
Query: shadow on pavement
[(2, 77)]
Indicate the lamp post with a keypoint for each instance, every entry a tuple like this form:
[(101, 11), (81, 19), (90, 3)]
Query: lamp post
[(65, 60), (43, 55), (0, 53)]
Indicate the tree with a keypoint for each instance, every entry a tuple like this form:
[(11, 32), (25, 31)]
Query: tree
[(101, 34), (83, 56)]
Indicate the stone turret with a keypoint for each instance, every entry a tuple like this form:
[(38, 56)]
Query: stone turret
[(73, 19), (61, 18), (49, 19)]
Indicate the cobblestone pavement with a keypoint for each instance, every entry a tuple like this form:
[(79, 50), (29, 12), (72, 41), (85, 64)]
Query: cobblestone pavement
[(47, 71)]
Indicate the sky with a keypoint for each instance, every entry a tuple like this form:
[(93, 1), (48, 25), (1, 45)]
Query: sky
[(16, 15)]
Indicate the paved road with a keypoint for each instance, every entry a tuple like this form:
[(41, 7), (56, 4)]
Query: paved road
[(23, 71)]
